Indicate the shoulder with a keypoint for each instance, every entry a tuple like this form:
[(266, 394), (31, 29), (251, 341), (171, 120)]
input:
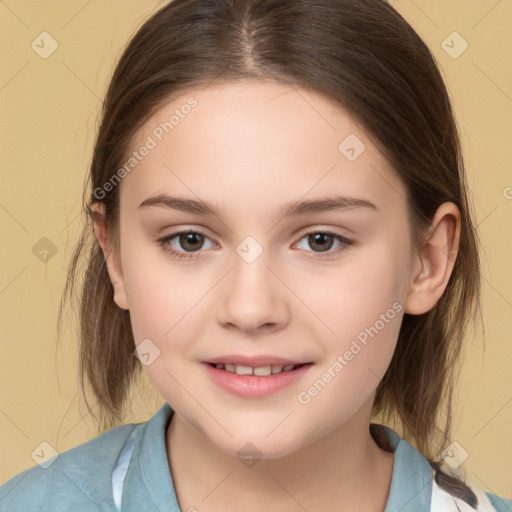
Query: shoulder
[(418, 485), (80, 477), (499, 503)]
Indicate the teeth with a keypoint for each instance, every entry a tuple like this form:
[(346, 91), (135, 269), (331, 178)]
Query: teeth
[(262, 371), (243, 370)]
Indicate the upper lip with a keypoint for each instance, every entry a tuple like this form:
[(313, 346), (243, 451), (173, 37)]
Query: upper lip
[(254, 361)]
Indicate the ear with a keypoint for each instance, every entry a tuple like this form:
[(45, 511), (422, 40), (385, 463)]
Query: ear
[(113, 260), (434, 261)]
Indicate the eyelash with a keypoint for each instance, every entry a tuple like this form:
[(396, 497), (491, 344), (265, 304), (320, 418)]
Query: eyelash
[(346, 243)]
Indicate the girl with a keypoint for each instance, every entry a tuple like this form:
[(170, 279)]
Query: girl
[(238, 137)]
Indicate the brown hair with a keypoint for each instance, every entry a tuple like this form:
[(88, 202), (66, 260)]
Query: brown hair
[(365, 57)]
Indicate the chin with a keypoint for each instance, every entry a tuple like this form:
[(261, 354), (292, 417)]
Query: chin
[(264, 443), (250, 451)]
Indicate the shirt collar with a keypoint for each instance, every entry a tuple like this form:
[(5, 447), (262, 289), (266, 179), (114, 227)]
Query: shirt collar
[(411, 482), (148, 484)]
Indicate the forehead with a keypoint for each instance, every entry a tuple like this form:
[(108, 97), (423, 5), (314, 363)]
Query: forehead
[(237, 141)]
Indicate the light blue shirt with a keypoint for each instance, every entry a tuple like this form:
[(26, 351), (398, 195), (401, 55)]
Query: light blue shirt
[(128, 464)]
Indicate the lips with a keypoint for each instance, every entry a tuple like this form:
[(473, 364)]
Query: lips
[(268, 375)]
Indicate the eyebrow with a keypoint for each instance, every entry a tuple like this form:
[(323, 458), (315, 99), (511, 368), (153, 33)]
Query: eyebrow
[(291, 209)]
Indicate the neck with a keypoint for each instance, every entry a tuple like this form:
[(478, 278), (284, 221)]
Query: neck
[(345, 470)]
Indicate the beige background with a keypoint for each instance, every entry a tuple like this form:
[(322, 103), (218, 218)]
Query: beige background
[(49, 112)]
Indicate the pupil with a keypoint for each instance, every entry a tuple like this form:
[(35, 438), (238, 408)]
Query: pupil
[(188, 238), (318, 238)]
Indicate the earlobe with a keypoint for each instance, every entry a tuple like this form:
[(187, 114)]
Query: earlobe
[(434, 262), (112, 259)]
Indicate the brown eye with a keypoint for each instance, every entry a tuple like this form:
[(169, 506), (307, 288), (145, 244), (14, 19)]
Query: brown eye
[(322, 242), (185, 244), (190, 241)]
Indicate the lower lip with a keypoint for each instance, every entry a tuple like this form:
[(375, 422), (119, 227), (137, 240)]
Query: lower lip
[(254, 386)]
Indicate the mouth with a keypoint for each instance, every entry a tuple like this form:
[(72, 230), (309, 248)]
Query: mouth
[(259, 371), (261, 379)]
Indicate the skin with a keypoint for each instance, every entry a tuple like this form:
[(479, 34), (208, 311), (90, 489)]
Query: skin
[(251, 147)]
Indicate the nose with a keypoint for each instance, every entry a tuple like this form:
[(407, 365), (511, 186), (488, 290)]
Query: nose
[(252, 297)]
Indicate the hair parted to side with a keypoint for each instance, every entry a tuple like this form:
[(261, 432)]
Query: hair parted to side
[(365, 57)]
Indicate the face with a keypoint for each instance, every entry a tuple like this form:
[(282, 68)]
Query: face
[(256, 283)]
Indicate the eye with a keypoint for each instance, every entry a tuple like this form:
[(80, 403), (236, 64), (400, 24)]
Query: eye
[(189, 244), (324, 241), (186, 244)]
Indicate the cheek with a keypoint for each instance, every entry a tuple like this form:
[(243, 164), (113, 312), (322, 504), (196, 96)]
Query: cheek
[(164, 308), (162, 304), (360, 309), (160, 293), (365, 286)]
